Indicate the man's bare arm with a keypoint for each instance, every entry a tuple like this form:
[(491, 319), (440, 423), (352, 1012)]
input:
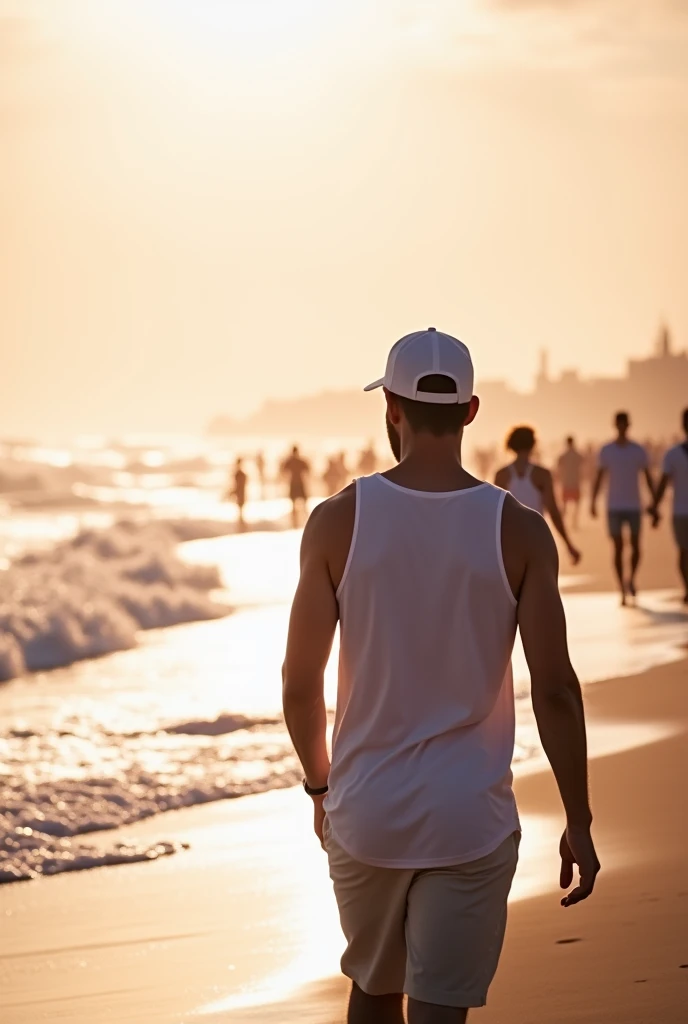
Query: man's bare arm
[(312, 626), (661, 490), (597, 486), (557, 703), (651, 486)]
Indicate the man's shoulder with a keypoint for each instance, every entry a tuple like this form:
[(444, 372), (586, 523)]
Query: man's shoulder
[(527, 542), (333, 515), (523, 526)]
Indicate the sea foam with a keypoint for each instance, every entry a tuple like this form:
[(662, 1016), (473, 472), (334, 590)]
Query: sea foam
[(89, 595)]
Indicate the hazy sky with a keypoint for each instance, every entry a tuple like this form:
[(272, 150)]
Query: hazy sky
[(207, 202)]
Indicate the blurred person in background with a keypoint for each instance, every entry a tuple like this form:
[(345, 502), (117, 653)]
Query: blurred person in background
[(532, 484), (484, 460), (622, 462), (238, 490), (570, 472), (367, 463), (296, 470), (336, 475), (260, 469), (675, 472)]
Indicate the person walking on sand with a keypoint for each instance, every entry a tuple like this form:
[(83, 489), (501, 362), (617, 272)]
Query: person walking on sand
[(570, 472), (238, 491), (623, 461), (532, 484), (428, 572), (296, 470), (675, 472)]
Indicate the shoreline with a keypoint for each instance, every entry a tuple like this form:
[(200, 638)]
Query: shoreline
[(190, 932)]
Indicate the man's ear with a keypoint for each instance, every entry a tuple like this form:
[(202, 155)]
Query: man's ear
[(393, 407), (473, 409)]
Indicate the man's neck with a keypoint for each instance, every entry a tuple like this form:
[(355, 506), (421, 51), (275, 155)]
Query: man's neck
[(431, 464)]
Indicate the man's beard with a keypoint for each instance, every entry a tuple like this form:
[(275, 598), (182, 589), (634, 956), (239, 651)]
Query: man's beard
[(394, 439)]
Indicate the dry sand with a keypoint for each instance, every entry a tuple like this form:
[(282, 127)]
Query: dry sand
[(248, 907)]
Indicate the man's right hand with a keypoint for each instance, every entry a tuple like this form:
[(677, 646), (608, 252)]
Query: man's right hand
[(577, 847)]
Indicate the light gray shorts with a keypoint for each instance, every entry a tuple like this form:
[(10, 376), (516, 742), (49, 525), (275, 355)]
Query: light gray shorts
[(434, 933)]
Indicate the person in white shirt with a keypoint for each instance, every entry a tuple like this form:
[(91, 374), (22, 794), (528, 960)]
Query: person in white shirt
[(429, 572), (675, 472), (531, 484), (623, 462)]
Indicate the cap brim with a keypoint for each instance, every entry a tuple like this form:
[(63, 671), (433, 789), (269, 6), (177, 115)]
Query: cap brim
[(376, 384)]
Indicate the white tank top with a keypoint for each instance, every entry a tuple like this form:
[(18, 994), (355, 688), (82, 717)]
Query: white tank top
[(525, 491), (424, 729)]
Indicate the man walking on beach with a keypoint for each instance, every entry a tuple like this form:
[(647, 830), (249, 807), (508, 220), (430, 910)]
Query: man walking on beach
[(623, 461), (428, 572), (675, 472)]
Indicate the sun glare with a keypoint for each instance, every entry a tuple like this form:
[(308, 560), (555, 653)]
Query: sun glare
[(232, 29), (251, 23)]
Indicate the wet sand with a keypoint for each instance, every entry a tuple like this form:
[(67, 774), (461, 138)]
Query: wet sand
[(248, 907)]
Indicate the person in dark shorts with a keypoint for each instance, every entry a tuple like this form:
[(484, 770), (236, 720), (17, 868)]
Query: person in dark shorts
[(296, 470), (623, 462)]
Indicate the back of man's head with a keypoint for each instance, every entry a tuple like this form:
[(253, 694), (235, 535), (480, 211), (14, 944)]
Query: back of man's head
[(622, 421), (438, 420)]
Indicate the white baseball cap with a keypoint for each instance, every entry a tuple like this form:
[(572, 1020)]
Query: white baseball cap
[(428, 352)]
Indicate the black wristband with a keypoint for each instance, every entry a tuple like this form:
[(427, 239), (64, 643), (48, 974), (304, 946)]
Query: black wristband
[(320, 791)]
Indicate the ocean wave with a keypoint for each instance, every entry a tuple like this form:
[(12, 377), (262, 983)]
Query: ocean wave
[(89, 596), (31, 853), (220, 726), (61, 784)]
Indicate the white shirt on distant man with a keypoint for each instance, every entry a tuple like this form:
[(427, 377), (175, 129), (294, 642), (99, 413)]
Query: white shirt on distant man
[(624, 463)]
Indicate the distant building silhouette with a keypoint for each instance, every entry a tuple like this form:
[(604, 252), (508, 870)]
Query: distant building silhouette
[(653, 389)]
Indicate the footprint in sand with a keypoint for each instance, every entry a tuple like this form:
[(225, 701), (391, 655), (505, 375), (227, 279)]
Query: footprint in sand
[(566, 942)]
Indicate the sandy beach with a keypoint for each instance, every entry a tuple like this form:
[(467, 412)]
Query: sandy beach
[(248, 907), (242, 926)]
